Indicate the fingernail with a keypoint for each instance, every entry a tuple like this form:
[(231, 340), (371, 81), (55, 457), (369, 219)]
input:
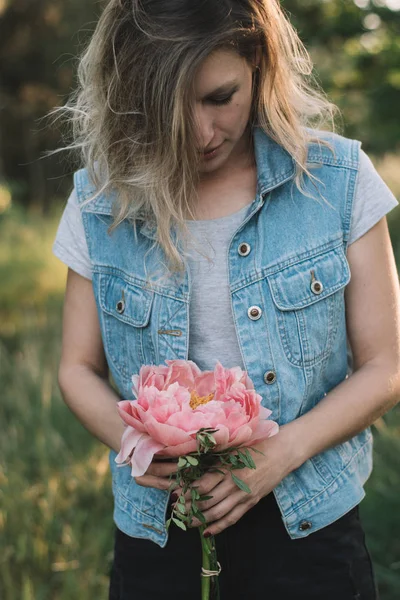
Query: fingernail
[(207, 534)]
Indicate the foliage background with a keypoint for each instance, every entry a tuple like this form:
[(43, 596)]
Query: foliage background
[(55, 498)]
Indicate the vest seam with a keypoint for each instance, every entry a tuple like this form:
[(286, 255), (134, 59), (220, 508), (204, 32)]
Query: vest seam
[(331, 162), (276, 268), (135, 508), (101, 269)]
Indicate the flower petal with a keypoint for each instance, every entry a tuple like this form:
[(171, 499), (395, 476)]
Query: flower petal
[(263, 429), (242, 436), (180, 449), (128, 413), (129, 439), (164, 433), (143, 455), (221, 437), (264, 412)]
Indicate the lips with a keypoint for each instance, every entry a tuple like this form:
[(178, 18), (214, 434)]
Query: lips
[(211, 151)]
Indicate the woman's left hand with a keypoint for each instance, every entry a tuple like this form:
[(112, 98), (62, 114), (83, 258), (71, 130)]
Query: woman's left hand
[(229, 503)]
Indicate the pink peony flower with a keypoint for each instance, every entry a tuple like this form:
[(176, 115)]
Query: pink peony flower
[(173, 402)]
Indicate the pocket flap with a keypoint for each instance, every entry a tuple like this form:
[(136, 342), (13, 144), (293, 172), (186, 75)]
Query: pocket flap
[(125, 301), (291, 287)]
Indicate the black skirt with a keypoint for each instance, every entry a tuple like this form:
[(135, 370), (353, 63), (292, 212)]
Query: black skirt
[(259, 561)]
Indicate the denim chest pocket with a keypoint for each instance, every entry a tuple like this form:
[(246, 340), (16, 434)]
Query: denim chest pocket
[(126, 312), (308, 299)]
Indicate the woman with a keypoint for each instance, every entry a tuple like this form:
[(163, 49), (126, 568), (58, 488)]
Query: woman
[(210, 196)]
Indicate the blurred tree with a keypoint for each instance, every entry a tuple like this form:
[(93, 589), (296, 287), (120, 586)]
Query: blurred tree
[(356, 49), (355, 46), (38, 43)]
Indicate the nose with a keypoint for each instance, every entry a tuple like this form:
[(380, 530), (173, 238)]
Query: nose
[(205, 127)]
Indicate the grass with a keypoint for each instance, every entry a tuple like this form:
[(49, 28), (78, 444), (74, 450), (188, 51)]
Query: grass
[(55, 499)]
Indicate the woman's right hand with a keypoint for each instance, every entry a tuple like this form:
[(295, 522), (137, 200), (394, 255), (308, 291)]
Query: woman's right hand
[(158, 474)]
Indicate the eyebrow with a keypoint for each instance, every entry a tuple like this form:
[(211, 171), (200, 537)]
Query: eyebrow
[(229, 87)]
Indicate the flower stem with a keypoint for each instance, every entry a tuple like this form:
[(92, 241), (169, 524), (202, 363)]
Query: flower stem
[(209, 585)]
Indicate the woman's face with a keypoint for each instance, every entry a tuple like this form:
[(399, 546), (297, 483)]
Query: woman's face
[(223, 100)]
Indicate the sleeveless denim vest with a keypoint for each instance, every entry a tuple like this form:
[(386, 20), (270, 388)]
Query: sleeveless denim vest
[(287, 297)]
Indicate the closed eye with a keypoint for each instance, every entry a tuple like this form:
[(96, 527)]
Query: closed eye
[(221, 101)]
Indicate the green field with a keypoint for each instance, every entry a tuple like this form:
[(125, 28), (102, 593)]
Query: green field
[(55, 498)]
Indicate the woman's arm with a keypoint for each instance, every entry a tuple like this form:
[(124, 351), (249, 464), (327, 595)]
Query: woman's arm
[(83, 370), (83, 376), (373, 326)]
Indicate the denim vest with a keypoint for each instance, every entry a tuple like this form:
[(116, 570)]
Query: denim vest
[(287, 296)]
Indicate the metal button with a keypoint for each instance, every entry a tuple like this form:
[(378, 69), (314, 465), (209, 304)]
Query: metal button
[(120, 306), (304, 525), (254, 313), (317, 287), (270, 377), (244, 249)]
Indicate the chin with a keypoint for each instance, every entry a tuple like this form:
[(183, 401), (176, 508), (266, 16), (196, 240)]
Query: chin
[(213, 165)]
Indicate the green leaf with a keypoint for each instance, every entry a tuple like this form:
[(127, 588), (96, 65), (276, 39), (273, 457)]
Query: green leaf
[(243, 458), (258, 451), (182, 462), (250, 459), (233, 459), (199, 515), (192, 460), (203, 498), (179, 523), (215, 470), (167, 524), (247, 459), (194, 493), (241, 484), (182, 508)]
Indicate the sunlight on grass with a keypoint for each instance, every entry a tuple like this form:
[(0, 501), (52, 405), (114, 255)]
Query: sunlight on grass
[(33, 274), (55, 490)]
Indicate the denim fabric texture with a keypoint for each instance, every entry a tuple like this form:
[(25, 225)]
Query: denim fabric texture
[(295, 275)]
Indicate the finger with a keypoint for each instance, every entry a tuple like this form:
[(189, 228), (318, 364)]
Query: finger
[(160, 483), (219, 510), (230, 518), (205, 484), (161, 469), (219, 493), (222, 490)]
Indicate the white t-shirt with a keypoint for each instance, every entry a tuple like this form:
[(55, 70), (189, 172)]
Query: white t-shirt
[(372, 201)]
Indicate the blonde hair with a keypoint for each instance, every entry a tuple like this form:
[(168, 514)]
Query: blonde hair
[(131, 114)]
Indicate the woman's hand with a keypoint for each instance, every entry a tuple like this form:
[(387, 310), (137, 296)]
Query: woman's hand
[(157, 475), (228, 503)]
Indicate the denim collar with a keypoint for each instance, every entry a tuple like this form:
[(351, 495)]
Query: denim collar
[(275, 166), (274, 163)]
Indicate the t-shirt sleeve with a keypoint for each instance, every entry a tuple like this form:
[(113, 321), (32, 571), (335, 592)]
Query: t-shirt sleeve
[(70, 242), (373, 199)]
